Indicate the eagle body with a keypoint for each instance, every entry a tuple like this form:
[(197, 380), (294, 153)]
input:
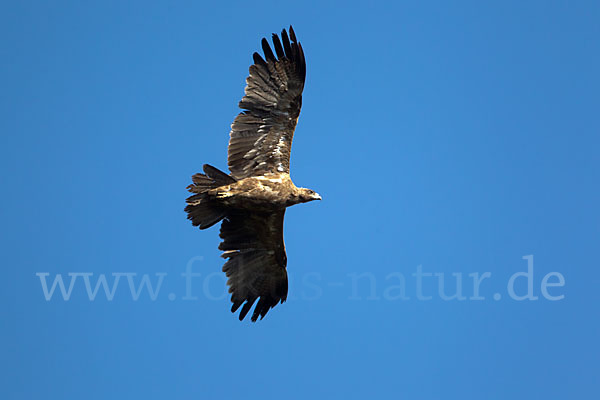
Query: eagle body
[(251, 200), (269, 193)]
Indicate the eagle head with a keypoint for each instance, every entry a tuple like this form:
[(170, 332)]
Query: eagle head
[(306, 195)]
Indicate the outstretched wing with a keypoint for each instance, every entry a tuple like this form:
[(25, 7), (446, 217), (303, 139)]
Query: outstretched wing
[(255, 252), (261, 135)]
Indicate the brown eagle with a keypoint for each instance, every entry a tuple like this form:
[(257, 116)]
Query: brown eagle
[(251, 201)]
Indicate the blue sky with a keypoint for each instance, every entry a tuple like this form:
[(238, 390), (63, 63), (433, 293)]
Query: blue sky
[(455, 136)]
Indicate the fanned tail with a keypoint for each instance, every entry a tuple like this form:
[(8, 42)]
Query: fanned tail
[(203, 211)]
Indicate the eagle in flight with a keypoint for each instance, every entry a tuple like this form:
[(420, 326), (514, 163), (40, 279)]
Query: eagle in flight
[(251, 201)]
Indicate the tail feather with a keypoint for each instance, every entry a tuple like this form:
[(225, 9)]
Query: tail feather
[(204, 214), (212, 178), (203, 211), (219, 177)]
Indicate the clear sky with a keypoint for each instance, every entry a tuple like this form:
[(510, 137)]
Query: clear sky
[(446, 138)]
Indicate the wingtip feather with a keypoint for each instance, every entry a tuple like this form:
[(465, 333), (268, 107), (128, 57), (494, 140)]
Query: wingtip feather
[(258, 59), (267, 50)]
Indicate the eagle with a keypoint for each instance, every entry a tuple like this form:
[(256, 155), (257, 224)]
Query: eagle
[(251, 200)]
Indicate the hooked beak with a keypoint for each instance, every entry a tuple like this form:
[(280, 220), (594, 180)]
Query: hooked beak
[(317, 196)]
